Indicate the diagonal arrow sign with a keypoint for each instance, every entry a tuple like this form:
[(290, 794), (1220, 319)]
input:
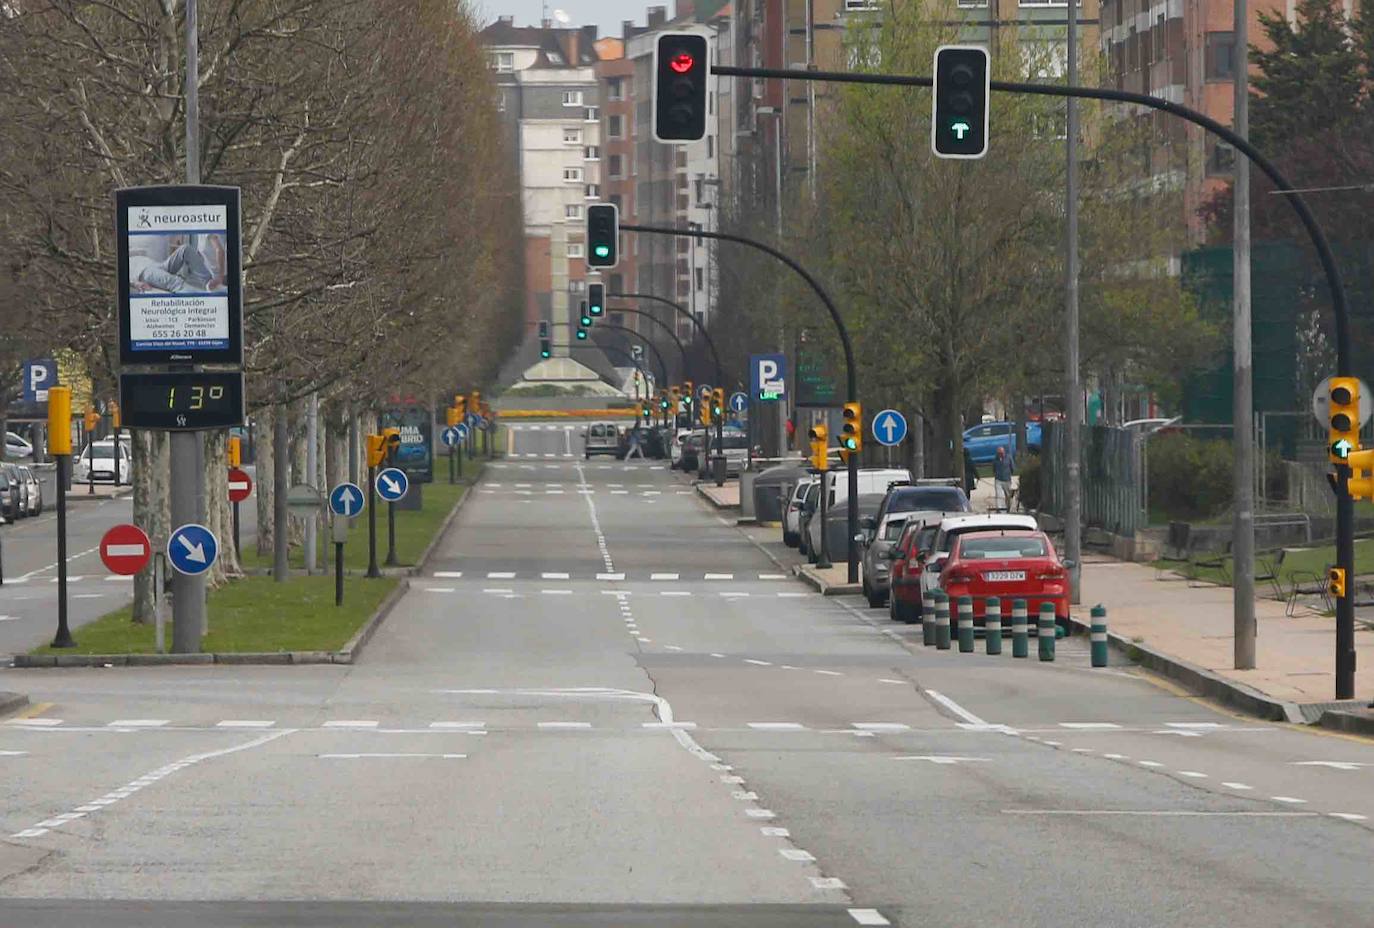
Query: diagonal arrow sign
[(194, 552)]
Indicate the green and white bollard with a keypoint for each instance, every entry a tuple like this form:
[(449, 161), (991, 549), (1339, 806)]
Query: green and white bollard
[(927, 618), (1020, 633), (1046, 631), (965, 625), (941, 621), (992, 625), (1099, 636)]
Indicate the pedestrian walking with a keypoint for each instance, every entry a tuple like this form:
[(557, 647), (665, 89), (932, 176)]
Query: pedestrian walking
[(636, 447), (1002, 468)]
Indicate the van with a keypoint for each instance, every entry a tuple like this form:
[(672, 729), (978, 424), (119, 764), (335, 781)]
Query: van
[(871, 480)]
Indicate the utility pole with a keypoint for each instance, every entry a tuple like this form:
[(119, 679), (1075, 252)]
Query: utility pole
[(1073, 388), (312, 465), (1243, 521), (187, 496)]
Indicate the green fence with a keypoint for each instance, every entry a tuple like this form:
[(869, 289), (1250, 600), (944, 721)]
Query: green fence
[(1112, 472)]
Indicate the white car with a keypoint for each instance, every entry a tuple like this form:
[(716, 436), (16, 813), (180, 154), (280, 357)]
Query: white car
[(871, 480), (675, 448), (954, 526), (791, 514), (17, 447), (100, 465)]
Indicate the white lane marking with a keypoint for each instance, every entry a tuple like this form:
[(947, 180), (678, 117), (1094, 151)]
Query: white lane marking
[(777, 726), (556, 592), (1291, 800), (616, 593), (13, 753), (795, 853), (387, 756), (244, 723), (671, 647), (679, 726), (734, 595), (750, 660), (139, 723), (1193, 725), (87, 595), (448, 574), (351, 723), (714, 654), (501, 575), (1053, 744), (1333, 764), (1189, 813), (773, 831), (9, 618), (1150, 763), (1088, 725), (760, 813), (1183, 733), (1192, 774), (829, 673), (674, 593), (1083, 750), (1116, 756), (954, 707), (1349, 816), (646, 640), (119, 579), (744, 795), (945, 759), (439, 589), (868, 917), (732, 779), (772, 576), (461, 726), (565, 724), (827, 882), (1237, 785), (497, 589), (607, 576), (718, 577), (897, 682), (663, 576), (553, 575), (881, 726), (34, 723), (794, 595)]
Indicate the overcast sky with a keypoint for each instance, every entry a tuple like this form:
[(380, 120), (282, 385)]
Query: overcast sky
[(607, 14)]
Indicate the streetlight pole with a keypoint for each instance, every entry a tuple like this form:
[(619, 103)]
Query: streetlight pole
[(1243, 436)]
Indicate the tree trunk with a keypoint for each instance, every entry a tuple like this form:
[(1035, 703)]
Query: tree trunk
[(152, 481), (219, 516), (265, 462)]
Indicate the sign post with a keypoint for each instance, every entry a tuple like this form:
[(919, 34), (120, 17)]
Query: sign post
[(240, 488), (60, 447), (391, 486)]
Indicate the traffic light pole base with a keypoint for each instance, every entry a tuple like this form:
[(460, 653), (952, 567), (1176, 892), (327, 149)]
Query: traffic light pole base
[(718, 469)]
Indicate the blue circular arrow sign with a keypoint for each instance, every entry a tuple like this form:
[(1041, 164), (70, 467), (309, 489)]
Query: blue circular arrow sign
[(739, 402), (889, 427), (392, 484), (462, 431), (451, 436), (192, 548), (347, 500)]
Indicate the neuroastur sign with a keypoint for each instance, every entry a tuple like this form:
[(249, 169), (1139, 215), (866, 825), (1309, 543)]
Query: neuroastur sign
[(180, 293)]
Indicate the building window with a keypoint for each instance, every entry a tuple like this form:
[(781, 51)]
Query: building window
[(573, 175), (593, 192), (701, 280), (591, 153), (574, 249), (617, 166), (502, 61), (615, 127), (577, 286), (1221, 56), (1221, 160), (572, 211), (572, 136), (572, 98), (593, 114), (615, 88)]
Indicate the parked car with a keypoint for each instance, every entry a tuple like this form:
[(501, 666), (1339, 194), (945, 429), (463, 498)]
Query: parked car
[(925, 502), (25, 492), (982, 441), (675, 447), (792, 509), (17, 448), (97, 461), (810, 508), (691, 450), (907, 560), (601, 438), (836, 526), (952, 527), (9, 496), (871, 480), (735, 448), (35, 502), (1009, 564)]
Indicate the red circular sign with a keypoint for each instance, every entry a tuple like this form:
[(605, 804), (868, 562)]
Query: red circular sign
[(125, 550), (240, 485)]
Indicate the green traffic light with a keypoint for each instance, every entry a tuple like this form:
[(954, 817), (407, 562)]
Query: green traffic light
[(544, 354), (586, 321), (960, 128), (582, 334), (1341, 448), (602, 251)]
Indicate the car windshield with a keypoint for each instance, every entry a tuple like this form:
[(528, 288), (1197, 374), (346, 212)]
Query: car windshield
[(938, 499), (735, 442), (101, 451), (894, 528), (974, 547)]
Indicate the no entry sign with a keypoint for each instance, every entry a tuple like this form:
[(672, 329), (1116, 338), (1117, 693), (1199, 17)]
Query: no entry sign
[(125, 549), (240, 485)]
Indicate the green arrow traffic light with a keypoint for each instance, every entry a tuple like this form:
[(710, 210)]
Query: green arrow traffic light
[(960, 129), (1342, 448)]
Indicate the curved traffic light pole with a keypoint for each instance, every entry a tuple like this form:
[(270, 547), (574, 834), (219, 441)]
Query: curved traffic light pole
[(851, 374), (682, 349), (645, 339), (681, 311)]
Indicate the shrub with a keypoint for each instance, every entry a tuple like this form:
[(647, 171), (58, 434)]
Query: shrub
[(1028, 489), (1190, 478)]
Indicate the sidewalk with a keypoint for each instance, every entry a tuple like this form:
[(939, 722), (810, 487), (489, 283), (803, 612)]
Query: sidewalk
[(1295, 657), (726, 497)]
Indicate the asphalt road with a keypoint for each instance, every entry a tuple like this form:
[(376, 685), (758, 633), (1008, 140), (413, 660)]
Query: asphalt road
[(28, 596), (605, 705)]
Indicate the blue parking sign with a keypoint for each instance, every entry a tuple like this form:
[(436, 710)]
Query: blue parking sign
[(768, 376)]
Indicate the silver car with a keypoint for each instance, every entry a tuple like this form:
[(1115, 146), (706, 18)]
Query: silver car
[(35, 490), (792, 510)]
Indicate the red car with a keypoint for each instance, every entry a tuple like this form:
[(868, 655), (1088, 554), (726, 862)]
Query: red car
[(1009, 564), (904, 598)]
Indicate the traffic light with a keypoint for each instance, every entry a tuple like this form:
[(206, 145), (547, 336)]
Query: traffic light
[(820, 440), (581, 332), (596, 299), (460, 406), (676, 399), (586, 316), (114, 414), (475, 401), (391, 441), (718, 403), (451, 417), (235, 451), (376, 450), (681, 66), (1335, 582), (704, 413), (1344, 418), (92, 419), (603, 235), (852, 431), (664, 403), (959, 117), (688, 396), (545, 346), (646, 409)]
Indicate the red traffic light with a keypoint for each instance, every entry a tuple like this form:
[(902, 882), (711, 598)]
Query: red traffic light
[(682, 62)]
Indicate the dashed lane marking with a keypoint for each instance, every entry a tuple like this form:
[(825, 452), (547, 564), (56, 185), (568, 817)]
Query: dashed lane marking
[(501, 575), (868, 917), (448, 574), (245, 723), (139, 723), (1291, 800), (1240, 786), (565, 725), (1088, 725), (777, 726), (351, 723), (390, 756)]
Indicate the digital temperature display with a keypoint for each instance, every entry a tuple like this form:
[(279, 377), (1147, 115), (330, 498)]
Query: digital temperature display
[(181, 401)]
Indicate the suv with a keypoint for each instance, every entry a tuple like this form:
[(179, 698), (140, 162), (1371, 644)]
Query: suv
[(982, 441), (924, 503), (602, 438)]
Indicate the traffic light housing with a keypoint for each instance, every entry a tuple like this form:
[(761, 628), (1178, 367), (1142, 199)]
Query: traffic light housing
[(820, 442), (92, 420), (664, 402), (1335, 582), (235, 451), (704, 414), (603, 235), (596, 300), (959, 115), (1361, 482), (718, 403), (451, 417), (586, 320), (688, 396), (852, 430), (682, 64), (391, 441), (646, 409), (114, 415), (581, 332), (545, 346), (1344, 418), (376, 450)]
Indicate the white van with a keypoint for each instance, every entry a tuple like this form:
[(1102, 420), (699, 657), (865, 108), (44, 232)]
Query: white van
[(871, 480)]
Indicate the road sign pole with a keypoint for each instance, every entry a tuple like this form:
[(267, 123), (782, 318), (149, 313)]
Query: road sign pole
[(90, 466), (188, 592), (338, 573), (452, 453), (372, 570), (312, 466), (457, 452), (64, 634), (159, 618), (391, 535), (238, 552)]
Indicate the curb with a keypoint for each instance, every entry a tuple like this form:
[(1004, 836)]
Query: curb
[(1203, 682), (1354, 723), (701, 491), (808, 576), (12, 702)]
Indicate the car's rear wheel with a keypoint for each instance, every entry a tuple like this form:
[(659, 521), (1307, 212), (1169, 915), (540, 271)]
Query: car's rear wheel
[(875, 599), (790, 539)]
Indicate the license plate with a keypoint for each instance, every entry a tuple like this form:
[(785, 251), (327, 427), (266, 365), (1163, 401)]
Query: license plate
[(1005, 575)]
